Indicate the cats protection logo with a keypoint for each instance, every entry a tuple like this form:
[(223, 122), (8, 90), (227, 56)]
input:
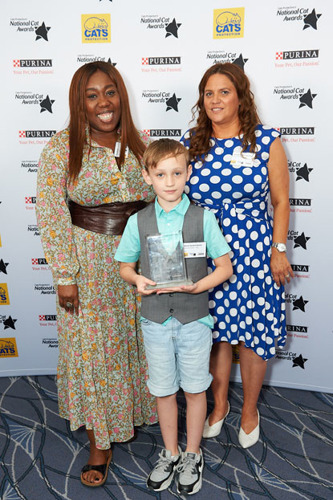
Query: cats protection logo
[(8, 348), (228, 23), (96, 28), (4, 297)]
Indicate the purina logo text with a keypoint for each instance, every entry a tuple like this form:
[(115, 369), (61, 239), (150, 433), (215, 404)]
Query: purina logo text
[(297, 58), (163, 132), (297, 54), (164, 64), (156, 61), (297, 134), (36, 133), (39, 137), (32, 63), (33, 67), (297, 331)]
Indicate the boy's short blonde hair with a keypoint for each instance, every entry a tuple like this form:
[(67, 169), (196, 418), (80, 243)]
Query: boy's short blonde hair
[(161, 149)]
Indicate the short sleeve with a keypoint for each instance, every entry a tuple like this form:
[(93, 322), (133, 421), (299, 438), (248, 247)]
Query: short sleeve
[(129, 248), (213, 236)]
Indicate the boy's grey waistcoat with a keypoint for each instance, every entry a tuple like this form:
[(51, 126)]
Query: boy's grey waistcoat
[(185, 307)]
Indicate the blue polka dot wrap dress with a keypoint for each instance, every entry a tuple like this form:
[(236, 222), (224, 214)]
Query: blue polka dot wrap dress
[(249, 307)]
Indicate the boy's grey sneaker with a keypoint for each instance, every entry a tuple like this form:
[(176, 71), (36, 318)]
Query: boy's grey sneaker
[(189, 472), (161, 476)]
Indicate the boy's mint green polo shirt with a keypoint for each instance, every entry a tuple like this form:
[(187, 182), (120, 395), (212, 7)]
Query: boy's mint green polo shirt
[(129, 248)]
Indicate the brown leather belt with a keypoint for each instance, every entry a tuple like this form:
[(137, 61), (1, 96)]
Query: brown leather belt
[(109, 218)]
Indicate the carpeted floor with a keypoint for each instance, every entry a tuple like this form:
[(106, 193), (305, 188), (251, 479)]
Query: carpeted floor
[(41, 458)]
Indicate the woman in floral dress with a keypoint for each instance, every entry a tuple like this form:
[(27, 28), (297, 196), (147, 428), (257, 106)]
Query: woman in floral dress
[(89, 182)]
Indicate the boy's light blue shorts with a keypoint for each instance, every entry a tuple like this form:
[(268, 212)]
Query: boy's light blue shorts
[(178, 356)]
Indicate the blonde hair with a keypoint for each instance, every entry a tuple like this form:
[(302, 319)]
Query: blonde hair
[(161, 149)]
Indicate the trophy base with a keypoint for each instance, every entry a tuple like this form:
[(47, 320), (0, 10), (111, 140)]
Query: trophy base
[(169, 284)]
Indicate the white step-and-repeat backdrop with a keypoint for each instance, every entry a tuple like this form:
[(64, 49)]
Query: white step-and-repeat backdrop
[(162, 49)]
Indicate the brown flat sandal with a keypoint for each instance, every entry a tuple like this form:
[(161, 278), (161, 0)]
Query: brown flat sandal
[(103, 469)]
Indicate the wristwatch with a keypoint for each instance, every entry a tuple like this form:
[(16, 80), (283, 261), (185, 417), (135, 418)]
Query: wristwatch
[(281, 247)]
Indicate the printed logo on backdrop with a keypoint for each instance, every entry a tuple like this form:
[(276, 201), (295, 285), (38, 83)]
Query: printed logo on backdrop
[(304, 16), (300, 205), (39, 264), (3, 266), (4, 297), (297, 134), (297, 360), (44, 289), (156, 22), (96, 28), (8, 348), (8, 322), (50, 342), (88, 58), (302, 173), (221, 56), (297, 331), (30, 202), (25, 25), (288, 92), (161, 64), (301, 270), (47, 320), (298, 303), (35, 136), (32, 67), (299, 239), (30, 166), (159, 97), (297, 58), (228, 23), (163, 132), (33, 229), (28, 98)]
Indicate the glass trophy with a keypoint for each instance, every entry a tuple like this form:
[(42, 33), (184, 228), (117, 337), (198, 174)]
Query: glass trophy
[(166, 260)]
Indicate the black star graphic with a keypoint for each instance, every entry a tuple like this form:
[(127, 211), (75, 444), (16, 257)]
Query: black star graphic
[(240, 61), (46, 104), (9, 323), (303, 173), (301, 241), (306, 99), (172, 102), (300, 304), (42, 31), (299, 361), (172, 29), (109, 60), (3, 266), (311, 20)]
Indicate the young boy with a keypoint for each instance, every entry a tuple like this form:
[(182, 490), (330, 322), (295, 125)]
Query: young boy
[(176, 323)]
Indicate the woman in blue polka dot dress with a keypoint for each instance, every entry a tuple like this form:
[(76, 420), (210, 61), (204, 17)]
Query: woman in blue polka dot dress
[(238, 164)]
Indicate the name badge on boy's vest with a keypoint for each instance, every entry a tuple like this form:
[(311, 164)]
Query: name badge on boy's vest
[(242, 160), (194, 249)]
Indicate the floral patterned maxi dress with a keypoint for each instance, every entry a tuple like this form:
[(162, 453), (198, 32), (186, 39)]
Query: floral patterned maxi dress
[(102, 368)]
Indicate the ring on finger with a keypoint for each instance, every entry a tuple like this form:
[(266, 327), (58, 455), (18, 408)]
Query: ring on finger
[(69, 304), (287, 275)]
